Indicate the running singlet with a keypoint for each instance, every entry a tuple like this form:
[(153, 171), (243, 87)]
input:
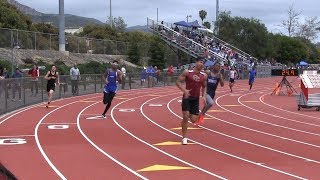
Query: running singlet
[(212, 84), (194, 82), (232, 73), (112, 82), (52, 82)]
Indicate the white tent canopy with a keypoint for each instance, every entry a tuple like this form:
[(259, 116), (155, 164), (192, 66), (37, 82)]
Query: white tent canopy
[(205, 30)]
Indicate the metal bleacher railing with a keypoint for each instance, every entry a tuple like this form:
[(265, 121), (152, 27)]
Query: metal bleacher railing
[(182, 42), (46, 41), (16, 93), (243, 55)]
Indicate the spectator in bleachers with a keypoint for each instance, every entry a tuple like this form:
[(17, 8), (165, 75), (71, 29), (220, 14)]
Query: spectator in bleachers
[(16, 84), (34, 73), (170, 73), (143, 76), (124, 75), (2, 83), (75, 77), (5, 73)]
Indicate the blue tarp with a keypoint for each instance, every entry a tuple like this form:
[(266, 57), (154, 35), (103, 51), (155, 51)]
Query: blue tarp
[(209, 63), (194, 24), (303, 63), (182, 23)]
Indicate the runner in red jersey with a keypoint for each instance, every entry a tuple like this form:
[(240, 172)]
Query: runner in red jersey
[(195, 79)]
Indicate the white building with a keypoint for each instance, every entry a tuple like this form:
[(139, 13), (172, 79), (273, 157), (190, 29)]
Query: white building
[(73, 30)]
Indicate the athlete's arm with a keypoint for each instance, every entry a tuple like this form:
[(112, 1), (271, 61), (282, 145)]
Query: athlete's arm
[(182, 78), (204, 88), (120, 74), (58, 77), (47, 76), (221, 80), (105, 75)]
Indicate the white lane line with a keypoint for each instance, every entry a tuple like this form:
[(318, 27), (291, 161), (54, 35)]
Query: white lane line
[(19, 136), (254, 119), (150, 145), (99, 149), (222, 152), (57, 123), (246, 141), (38, 105), (239, 101), (265, 133), (39, 144), (314, 117)]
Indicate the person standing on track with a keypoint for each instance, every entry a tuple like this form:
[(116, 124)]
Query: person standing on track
[(214, 78), (195, 79), (233, 74), (112, 76), (252, 74), (51, 76)]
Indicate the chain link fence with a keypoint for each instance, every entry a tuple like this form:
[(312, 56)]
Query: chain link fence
[(10, 38), (16, 93)]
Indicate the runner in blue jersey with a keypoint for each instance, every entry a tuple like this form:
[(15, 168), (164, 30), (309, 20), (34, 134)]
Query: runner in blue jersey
[(112, 77), (252, 74), (214, 78)]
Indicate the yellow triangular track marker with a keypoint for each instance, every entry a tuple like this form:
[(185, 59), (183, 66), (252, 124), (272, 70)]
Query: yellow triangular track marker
[(216, 110), (169, 143), (158, 167), (189, 128), (250, 101), (232, 105)]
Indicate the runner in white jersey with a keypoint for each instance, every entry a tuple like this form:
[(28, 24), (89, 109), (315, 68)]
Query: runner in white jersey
[(233, 74)]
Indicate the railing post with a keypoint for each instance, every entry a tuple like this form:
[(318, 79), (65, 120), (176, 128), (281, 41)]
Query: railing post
[(129, 81), (95, 83), (35, 41), (6, 96), (50, 41)]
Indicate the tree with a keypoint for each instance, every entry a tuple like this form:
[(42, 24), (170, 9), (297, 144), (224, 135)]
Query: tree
[(157, 52), (118, 23), (292, 23), (291, 50), (12, 18), (309, 29), (202, 15), (249, 35), (207, 24)]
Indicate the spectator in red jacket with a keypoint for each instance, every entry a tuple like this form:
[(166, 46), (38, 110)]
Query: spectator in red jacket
[(34, 73)]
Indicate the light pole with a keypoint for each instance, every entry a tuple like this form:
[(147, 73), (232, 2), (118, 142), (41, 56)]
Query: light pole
[(188, 16), (217, 17), (62, 39), (111, 20)]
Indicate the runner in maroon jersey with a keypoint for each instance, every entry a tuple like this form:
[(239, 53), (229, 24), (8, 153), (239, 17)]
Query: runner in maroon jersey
[(195, 80)]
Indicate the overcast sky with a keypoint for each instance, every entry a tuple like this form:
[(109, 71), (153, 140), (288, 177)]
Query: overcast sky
[(135, 12)]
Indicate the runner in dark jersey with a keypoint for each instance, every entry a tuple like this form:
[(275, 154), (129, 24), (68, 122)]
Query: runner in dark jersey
[(112, 76), (51, 76), (195, 81), (214, 78)]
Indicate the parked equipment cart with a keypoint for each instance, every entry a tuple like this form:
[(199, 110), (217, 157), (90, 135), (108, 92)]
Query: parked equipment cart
[(310, 85)]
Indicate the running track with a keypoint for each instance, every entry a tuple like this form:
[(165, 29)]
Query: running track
[(246, 135)]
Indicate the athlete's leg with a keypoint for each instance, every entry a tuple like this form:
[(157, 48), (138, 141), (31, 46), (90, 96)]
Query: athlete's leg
[(208, 105), (107, 99)]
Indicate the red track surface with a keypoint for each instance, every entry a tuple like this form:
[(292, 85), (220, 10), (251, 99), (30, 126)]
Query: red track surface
[(246, 135)]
